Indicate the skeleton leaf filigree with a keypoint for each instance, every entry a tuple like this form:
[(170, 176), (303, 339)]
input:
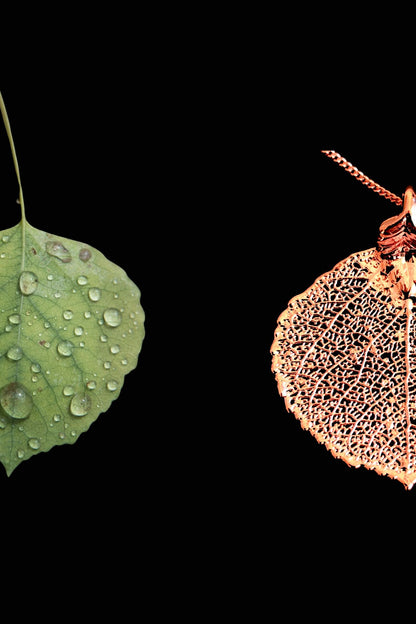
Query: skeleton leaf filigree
[(344, 354)]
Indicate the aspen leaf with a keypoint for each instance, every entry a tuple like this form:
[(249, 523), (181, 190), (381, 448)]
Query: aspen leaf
[(71, 328), (344, 351)]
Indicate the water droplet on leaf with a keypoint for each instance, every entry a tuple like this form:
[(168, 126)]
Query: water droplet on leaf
[(112, 385), (56, 249), (65, 348), (94, 294), (68, 314), (80, 404), (15, 353), (16, 400), (82, 280), (34, 443), (112, 317), (28, 282), (84, 254), (15, 319)]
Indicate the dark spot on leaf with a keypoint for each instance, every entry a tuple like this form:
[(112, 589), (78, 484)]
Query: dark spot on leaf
[(84, 254)]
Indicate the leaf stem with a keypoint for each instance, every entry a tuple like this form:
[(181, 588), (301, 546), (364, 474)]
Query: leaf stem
[(16, 164)]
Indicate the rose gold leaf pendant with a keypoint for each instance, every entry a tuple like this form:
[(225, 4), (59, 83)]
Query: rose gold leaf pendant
[(344, 351)]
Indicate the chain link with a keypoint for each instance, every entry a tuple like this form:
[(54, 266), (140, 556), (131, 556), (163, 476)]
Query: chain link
[(343, 162)]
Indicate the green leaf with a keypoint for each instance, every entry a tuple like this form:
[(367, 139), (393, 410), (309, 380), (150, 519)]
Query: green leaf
[(71, 328)]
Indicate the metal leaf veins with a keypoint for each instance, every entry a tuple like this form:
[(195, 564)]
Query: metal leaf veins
[(344, 354)]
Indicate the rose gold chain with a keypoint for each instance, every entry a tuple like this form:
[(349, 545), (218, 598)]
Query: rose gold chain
[(343, 162)]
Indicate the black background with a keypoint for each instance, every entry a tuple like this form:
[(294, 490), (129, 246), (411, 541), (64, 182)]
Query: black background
[(191, 158)]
